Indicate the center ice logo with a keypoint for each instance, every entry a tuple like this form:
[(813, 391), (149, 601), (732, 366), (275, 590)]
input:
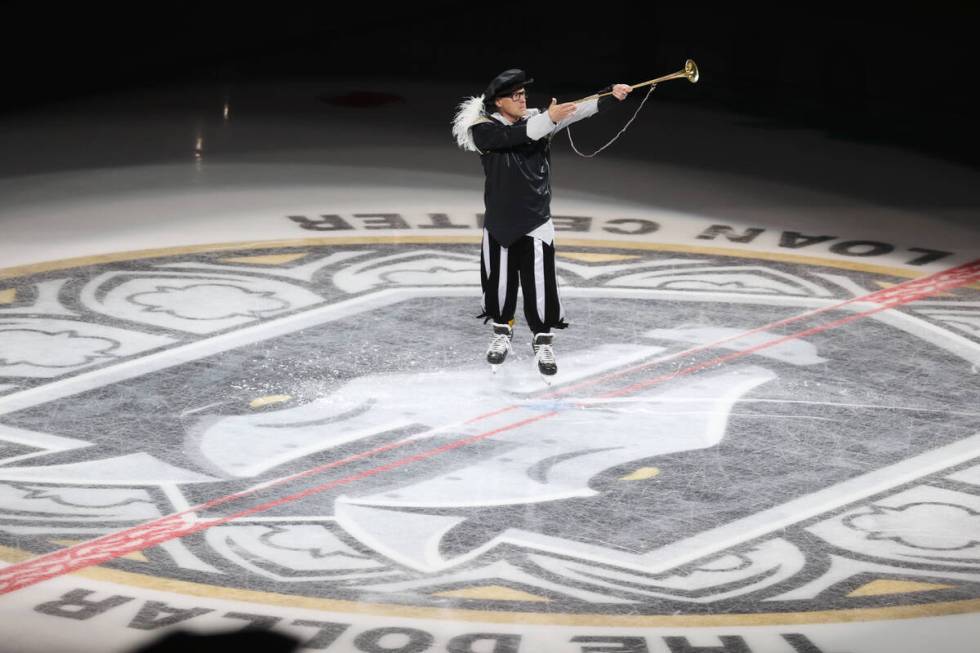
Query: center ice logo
[(684, 492)]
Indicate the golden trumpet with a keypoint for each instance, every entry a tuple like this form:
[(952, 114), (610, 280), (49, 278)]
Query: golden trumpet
[(690, 72)]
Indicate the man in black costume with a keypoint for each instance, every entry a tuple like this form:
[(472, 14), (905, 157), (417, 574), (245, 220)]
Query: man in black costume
[(518, 235)]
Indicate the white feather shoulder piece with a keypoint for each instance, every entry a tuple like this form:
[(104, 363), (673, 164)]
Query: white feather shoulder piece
[(468, 113)]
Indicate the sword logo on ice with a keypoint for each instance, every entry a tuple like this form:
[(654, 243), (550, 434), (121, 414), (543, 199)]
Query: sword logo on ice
[(405, 516)]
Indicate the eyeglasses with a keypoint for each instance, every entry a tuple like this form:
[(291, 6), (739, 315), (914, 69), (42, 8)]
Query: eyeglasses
[(518, 96)]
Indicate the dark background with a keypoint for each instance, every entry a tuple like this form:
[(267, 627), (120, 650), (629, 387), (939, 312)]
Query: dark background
[(870, 72)]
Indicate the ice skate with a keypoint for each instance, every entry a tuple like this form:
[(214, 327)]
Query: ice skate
[(499, 345), (544, 356)]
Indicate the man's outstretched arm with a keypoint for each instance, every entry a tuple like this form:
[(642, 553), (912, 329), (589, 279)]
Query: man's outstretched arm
[(591, 107), (493, 136)]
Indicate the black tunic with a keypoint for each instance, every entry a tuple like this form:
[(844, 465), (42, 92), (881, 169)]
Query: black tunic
[(517, 193)]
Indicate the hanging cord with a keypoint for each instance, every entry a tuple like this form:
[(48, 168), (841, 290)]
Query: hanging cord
[(622, 131)]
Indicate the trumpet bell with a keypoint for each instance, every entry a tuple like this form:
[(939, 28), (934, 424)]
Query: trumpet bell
[(691, 71)]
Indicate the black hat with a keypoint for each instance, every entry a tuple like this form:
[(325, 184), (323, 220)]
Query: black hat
[(504, 84)]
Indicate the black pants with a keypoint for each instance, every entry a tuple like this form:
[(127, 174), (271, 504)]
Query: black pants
[(530, 263)]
